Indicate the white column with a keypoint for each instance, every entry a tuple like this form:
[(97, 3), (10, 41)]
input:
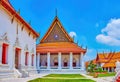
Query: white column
[(82, 61), (38, 60), (48, 60), (59, 60), (108, 69), (22, 56), (71, 60), (35, 61), (0, 53), (29, 58), (13, 57)]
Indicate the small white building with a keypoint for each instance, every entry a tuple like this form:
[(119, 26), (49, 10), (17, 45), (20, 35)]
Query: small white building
[(17, 43)]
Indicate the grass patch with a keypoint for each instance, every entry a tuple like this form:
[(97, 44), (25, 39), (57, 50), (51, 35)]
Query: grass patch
[(65, 76), (61, 80), (106, 74)]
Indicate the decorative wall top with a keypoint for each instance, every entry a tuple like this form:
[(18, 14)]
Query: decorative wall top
[(4, 38)]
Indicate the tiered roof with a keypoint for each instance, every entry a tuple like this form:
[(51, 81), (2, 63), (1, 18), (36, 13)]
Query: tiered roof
[(57, 40), (64, 47), (109, 59)]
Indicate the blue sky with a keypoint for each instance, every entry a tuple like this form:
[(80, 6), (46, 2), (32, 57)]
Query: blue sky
[(96, 23)]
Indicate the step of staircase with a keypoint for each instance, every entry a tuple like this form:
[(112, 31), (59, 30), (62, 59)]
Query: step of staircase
[(6, 74)]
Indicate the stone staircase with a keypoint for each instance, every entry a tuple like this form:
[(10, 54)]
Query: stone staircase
[(5, 72), (24, 73), (27, 71)]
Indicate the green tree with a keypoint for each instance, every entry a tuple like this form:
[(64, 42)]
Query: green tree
[(91, 67)]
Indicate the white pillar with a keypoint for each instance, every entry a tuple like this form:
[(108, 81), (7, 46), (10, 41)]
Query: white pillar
[(0, 52), (35, 60), (29, 58), (108, 69), (13, 57), (22, 56), (59, 60), (82, 61), (48, 60), (38, 60), (71, 60)]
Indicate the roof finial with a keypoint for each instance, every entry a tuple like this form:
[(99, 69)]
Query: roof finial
[(56, 12)]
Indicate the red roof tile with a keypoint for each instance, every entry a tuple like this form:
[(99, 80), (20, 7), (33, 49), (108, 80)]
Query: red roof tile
[(64, 47)]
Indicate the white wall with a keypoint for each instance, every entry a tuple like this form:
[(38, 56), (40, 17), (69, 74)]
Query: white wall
[(24, 39)]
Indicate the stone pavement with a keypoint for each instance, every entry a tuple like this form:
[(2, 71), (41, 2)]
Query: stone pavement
[(23, 79), (100, 79)]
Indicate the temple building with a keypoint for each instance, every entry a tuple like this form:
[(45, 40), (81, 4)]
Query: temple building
[(107, 61), (57, 51), (17, 43)]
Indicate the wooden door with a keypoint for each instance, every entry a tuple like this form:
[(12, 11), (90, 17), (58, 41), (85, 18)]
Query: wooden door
[(17, 59)]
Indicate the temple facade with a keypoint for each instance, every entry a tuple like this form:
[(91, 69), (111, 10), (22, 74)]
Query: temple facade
[(17, 43), (57, 51)]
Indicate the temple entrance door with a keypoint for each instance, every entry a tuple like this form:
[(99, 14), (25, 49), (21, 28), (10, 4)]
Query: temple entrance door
[(17, 58), (65, 64), (55, 63), (4, 54), (74, 64)]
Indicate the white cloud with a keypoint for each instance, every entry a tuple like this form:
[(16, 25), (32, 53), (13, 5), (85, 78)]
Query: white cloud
[(110, 35), (72, 34)]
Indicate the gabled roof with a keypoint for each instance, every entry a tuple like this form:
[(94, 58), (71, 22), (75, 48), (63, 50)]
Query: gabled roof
[(6, 4), (56, 21), (63, 44), (109, 65), (64, 47), (109, 59)]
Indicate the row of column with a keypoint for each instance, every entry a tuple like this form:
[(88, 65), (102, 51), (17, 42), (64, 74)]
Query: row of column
[(59, 60)]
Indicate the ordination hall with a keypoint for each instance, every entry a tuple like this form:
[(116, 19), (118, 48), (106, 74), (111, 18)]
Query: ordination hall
[(57, 51)]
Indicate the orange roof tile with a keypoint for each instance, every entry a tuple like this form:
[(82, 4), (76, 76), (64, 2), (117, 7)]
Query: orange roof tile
[(109, 59), (109, 65), (64, 47)]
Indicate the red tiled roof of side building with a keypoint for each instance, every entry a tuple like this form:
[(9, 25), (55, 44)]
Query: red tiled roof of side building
[(109, 65), (110, 59), (9, 8), (94, 61), (55, 47)]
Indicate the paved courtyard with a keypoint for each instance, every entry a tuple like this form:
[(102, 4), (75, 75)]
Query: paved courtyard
[(102, 79)]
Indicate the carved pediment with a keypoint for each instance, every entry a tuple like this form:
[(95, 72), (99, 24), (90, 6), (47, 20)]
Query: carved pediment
[(17, 43), (4, 38), (56, 33), (32, 51), (26, 47)]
